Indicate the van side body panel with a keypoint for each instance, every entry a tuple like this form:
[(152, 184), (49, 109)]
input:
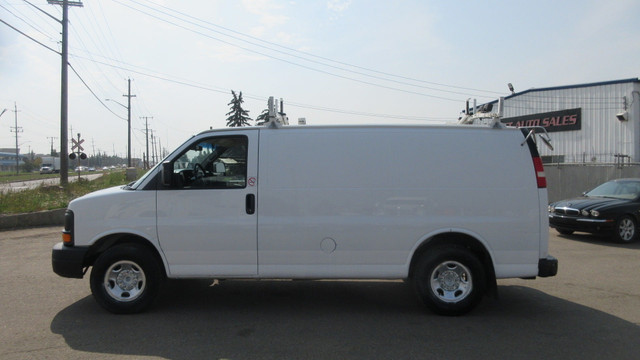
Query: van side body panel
[(342, 202)]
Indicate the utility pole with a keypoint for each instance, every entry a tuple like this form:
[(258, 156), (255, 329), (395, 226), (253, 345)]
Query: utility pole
[(17, 130), (52, 138), (129, 96), (146, 133), (64, 152), (153, 147)]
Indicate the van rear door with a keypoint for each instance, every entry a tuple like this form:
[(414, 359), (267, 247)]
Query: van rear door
[(207, 224)]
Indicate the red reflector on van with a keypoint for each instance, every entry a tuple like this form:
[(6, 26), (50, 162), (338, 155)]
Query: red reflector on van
[(540, 177)]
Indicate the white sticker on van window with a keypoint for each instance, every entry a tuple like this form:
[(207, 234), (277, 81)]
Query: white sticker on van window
[(252, 181)]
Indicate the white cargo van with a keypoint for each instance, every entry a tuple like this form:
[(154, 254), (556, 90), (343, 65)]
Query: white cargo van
[(451, 208)]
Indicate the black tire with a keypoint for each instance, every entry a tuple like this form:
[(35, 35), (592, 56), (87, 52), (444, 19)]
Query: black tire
[(450, 280), (125, 279), (564, 231), (626, 230)]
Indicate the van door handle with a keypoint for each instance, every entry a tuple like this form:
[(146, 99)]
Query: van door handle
[(250, 204)]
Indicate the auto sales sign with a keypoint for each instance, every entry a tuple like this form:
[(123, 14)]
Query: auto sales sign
[(563, 120)]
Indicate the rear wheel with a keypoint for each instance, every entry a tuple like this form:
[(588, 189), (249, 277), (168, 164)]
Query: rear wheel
[(125, 279), (626, 229), (450, 280)]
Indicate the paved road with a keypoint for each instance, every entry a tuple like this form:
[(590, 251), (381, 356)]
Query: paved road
[(591, 310), (32, 184)]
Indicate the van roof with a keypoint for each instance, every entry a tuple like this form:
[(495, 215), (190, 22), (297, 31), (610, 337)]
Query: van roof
[(358, 126)]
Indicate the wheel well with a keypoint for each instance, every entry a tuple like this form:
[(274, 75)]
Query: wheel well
[(112, 240), (463, 240), (634, 217)]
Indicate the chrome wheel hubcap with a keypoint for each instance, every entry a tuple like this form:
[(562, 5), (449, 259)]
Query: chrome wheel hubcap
[(451, 281), (124, 281)]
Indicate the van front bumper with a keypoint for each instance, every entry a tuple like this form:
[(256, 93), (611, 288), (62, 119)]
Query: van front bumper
[(68, 261), (547, 266)]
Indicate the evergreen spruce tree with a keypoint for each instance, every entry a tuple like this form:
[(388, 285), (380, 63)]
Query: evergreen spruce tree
[(262, 118), (237, 116)]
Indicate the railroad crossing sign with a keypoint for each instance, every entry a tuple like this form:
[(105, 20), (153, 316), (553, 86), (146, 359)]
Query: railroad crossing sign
[(77, 149), (77, 144)]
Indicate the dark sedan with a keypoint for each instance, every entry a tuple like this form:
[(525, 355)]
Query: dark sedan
[(612, 208)]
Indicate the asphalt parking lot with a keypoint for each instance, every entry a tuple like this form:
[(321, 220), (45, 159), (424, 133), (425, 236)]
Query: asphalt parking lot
[(591, 310)]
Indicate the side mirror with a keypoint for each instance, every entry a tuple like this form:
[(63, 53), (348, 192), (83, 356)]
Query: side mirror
[(167, 173)]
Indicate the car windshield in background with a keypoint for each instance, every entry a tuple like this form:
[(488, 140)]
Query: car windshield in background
[(617, 190)]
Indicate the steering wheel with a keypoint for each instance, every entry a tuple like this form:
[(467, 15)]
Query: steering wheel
[(198, 173)]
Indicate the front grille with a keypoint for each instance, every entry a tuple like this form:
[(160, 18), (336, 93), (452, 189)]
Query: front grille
[(567, 211)]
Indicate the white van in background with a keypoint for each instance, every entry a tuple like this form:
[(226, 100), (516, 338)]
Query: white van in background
[(451, 208)]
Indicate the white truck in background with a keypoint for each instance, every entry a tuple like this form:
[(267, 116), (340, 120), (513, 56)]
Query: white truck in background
[(50, 165), (449, 208)]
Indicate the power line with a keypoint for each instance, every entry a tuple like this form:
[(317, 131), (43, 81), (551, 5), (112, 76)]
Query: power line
[(93, 93), (294, 63), (302, 52), (166, 77), (72, 68), (84, 46), (30, 38), (24, 21)]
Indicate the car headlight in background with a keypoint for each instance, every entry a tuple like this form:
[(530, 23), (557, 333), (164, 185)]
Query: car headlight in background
[(595, 213)]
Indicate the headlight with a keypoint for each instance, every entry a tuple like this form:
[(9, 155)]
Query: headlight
[(595, 213), (584, 213), (551, 208)]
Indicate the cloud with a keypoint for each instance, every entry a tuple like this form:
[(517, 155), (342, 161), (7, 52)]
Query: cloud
[(269, 14), (338, 6)]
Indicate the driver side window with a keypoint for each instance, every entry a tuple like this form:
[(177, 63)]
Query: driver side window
[(213, 163)]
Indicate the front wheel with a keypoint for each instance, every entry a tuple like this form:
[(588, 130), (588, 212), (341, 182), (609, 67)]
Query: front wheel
[(626, 229), (125, 279), (449, 280)]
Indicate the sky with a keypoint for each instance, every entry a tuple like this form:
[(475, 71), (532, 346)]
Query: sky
[(332, 62)]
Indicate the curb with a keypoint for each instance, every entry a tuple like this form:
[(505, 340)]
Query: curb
[(40, 218)]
